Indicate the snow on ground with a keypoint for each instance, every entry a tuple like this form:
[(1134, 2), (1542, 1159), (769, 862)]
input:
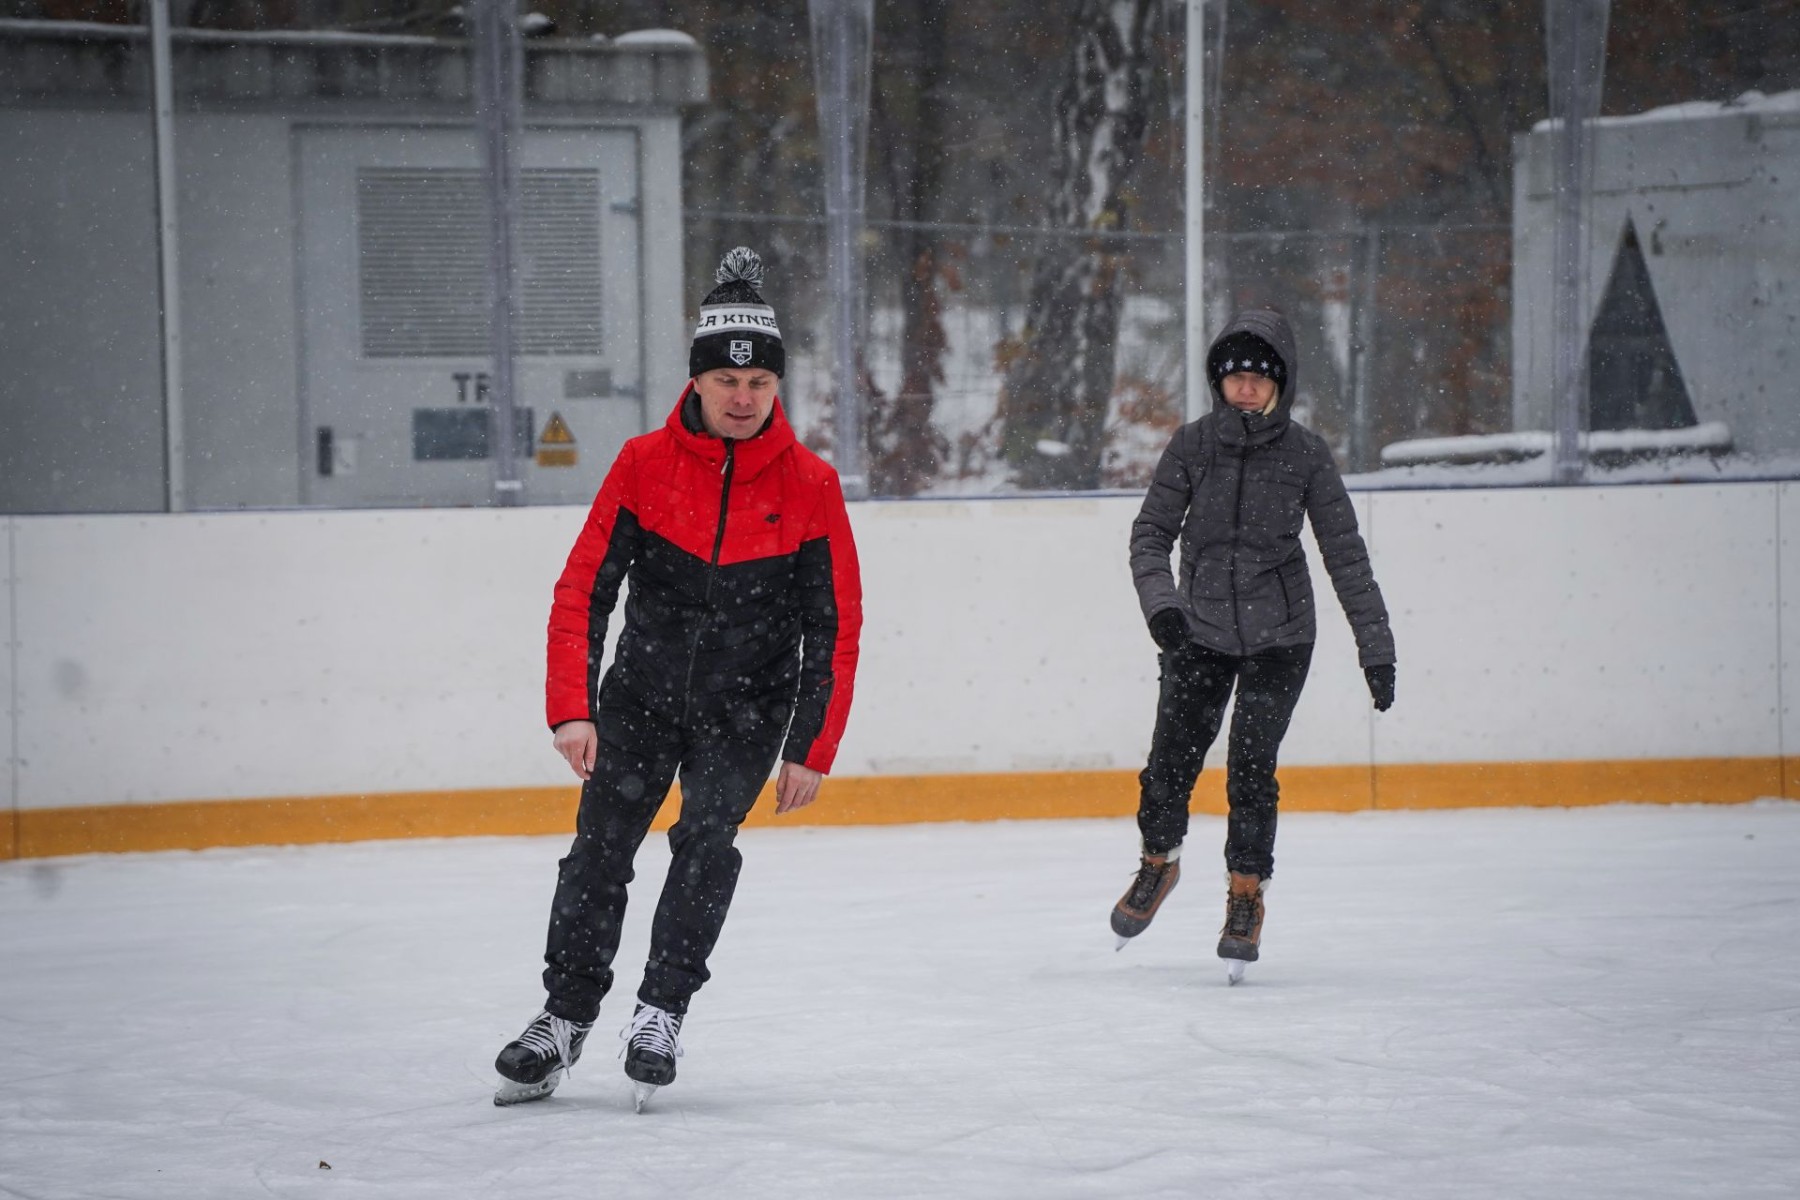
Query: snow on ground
[(1596, 1003)]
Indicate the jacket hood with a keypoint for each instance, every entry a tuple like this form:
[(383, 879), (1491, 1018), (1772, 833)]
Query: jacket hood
[(1271, 326), (752, 454), (1236, 428)]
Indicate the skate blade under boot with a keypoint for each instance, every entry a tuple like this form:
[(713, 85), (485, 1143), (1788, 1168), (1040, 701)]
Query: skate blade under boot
[(1124, 928), (1236, 954), (520, 1093), (646, 1078)]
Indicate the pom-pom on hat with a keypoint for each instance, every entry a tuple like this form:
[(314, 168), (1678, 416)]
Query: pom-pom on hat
[(1244, 351), (737, 327)]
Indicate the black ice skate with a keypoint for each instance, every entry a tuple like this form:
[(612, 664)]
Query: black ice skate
[(531, 1067), (1156, 878), (1240, 938), (652, 1044)]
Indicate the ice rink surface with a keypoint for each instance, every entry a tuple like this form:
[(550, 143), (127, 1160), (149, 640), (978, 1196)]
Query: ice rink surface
[(1591, 1003)]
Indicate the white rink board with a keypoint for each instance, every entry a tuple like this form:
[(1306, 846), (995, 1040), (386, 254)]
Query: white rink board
[(1587, 623), (1335, 721), (1788, 511), (280, 654), (8, 761), (998, 636), (305, 653)]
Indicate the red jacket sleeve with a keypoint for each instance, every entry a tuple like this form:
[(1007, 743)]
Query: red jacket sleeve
[(586, 594), (830, 583)]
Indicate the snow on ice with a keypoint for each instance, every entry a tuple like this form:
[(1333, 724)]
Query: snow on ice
[(1602, 1003)]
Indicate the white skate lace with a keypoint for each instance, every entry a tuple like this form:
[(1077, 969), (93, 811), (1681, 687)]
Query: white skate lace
[(553, 1035), (659, 1031)]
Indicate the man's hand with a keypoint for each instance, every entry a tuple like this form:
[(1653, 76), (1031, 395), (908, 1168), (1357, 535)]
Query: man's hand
[(796, 787), (577, 742)]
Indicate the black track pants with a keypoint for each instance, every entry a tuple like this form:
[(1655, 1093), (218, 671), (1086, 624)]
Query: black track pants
[(722, 767), (1196, 683)]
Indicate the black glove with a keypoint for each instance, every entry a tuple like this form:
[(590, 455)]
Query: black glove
[(1381, 685), (1168, 629)]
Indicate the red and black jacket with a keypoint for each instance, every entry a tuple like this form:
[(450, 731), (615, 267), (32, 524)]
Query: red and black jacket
[(744, 592)]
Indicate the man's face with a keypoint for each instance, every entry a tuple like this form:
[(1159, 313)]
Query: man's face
[(1247, 391), (735, 401)]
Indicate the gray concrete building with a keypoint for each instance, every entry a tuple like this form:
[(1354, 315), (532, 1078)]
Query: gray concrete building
[(329, 226), (1694, 281)]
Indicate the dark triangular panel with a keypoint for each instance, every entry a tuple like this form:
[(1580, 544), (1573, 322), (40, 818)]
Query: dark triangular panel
[(1634, 381)]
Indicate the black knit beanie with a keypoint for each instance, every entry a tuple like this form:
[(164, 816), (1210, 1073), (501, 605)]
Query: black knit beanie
[(737, 328), (1244, 351)]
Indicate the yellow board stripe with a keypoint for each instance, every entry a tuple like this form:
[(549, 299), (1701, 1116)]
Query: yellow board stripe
[(1560, 784), (886, 800)]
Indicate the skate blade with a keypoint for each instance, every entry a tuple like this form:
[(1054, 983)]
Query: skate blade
[(520, 1093), (1120, 942), (640, 1095), (1234, 971)]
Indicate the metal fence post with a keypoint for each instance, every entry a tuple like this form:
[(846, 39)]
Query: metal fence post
[(1197, 401), (498, 68), (1576, 34), (168, 259), (842, 38), (1362, 347)]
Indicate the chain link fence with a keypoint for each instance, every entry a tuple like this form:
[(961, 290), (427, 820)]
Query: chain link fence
[(1404, 332)]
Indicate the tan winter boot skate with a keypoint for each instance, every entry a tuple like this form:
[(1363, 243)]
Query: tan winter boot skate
[(1156, 878), (1239, 939)]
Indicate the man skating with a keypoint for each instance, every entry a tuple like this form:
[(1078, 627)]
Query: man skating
[(739, 646)]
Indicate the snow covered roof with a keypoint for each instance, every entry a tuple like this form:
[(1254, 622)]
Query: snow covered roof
[(1709, 437), (667, 38), (1698, 110), (1702, 453), (59, 59)]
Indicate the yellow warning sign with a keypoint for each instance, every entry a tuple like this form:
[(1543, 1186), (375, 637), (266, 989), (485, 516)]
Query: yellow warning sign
[(556, 445), (556, 432)]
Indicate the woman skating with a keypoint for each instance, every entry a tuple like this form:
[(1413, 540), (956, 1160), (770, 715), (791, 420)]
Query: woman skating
[(1235, 487)]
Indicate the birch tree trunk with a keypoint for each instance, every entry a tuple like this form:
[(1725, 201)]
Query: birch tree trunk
[(1060, 375)]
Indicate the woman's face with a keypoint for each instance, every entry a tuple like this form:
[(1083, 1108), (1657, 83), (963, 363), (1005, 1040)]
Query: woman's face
[(1247, 391)]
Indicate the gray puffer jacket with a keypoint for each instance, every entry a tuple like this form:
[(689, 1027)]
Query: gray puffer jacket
[(1235, 488)]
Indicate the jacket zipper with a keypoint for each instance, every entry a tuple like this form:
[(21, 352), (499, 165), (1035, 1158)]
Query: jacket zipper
[(1237, 527), (712, 571)]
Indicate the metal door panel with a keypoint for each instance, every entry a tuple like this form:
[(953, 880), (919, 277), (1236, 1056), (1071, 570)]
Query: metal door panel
[(393, 338)]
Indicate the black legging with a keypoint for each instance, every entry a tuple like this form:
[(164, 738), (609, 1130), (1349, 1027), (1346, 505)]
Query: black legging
[(1196, 683), (723, 764)]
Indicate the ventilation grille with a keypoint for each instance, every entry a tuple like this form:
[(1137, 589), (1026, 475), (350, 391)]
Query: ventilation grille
[(423, 271)]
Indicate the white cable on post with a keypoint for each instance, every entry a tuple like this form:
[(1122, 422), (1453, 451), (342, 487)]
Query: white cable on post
[(1195, 233), (498, 103), (168, 259), (1576, 50), (842, 41)]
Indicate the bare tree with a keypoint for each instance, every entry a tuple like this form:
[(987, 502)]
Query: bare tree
[(1060, 374), (905, 450)]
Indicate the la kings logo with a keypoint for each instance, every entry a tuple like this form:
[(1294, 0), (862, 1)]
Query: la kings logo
[(740, 352)]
